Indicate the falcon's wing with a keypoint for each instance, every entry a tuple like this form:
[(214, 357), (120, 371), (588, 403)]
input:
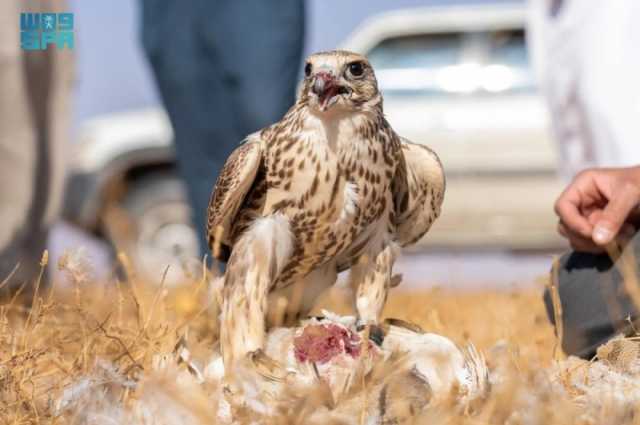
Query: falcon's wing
[(419, 186), (233, 184)]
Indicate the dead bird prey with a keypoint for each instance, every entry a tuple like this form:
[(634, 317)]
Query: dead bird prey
[(330, 187)]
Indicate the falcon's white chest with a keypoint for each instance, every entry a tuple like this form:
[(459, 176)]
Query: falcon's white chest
[(331, 168), (333, 185)]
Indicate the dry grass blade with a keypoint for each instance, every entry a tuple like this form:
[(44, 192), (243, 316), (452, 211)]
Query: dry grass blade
[(9, 276), (156, 298), (557, 309), (626, 262)]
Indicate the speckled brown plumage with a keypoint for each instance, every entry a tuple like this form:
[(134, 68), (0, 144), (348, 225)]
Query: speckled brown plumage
[(328, 188)]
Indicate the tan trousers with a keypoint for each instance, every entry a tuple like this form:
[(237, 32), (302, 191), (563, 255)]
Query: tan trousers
[(34, 133)]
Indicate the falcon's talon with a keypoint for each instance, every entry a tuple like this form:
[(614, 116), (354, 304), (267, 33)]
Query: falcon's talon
[(260, 357), (267, 367), (376, 334)]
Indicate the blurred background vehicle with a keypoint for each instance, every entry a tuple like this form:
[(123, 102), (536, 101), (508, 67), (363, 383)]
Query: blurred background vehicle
[(454, 77), (459, 80)]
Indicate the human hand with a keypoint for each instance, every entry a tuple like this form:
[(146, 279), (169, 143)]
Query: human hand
[(598, 206)]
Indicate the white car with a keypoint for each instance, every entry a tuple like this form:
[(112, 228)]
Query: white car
[(455, 78)]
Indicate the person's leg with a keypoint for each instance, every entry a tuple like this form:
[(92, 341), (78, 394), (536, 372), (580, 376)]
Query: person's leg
[(260, 47), (17, 147), (49, 77), (33, 135), (196, 96), (595, 305), (219, 85)]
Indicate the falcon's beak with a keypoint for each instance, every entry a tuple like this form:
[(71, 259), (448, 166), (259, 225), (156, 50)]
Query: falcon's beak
[(327, 89)]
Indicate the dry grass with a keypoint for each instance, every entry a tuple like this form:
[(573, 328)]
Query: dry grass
[(115, 353), (514, 318)]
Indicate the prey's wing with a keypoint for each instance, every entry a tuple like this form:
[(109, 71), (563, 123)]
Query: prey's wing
[(233, 184), (419, 186)]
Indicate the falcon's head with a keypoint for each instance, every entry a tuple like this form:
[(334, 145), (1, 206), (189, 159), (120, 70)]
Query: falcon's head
[(339, 80)]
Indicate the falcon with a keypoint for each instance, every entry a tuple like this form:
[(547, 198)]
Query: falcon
[(328, 188)]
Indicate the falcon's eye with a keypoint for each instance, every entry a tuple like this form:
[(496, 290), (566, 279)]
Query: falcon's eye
[(307, 69), (356, 69)]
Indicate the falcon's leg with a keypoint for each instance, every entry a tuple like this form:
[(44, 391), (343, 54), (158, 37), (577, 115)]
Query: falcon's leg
[(371, 279), (256, 260)]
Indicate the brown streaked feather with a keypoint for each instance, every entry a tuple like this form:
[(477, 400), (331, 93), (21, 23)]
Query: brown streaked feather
[(234, 182), (419, 186)]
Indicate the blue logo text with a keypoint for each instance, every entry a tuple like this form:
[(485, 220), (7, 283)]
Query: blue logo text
[(40, 30)]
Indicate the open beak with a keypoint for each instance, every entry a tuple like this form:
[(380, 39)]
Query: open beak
[(327, 89)]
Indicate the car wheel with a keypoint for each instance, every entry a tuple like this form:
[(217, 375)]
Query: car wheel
[(152, 224)]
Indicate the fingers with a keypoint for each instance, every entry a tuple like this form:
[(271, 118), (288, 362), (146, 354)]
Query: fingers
[(594, 216), (615, 214), (579, 242), (568, 208), (597, 204)]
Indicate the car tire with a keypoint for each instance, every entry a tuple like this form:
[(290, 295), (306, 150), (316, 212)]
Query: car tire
[(152, 225)]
